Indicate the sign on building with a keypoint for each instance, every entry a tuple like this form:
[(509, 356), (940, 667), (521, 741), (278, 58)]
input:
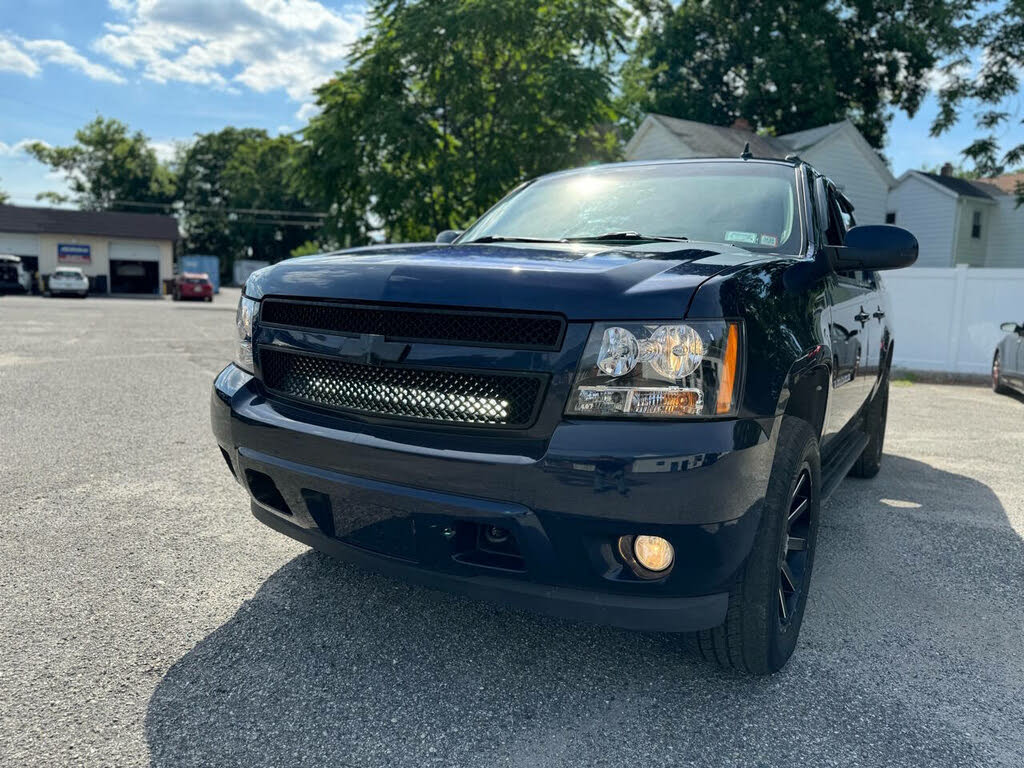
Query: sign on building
[(70, 253)]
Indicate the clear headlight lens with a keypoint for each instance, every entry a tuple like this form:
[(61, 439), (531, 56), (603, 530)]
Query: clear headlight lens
[(659, 370), (244, 318)]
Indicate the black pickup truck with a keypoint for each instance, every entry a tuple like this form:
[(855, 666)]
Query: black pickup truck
[(620, 396)]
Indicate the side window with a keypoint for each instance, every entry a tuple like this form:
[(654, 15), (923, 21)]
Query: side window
[(836, 235), (836, 227), (827, 211), (821, 209)]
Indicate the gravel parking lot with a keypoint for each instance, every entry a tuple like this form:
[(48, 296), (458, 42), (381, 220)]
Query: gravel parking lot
[(147, 617)]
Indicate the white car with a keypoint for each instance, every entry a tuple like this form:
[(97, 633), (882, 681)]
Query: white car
[(69, 281), (13, 276)]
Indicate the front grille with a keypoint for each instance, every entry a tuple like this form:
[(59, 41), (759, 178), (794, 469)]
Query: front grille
[(442, 326), (457, 397)]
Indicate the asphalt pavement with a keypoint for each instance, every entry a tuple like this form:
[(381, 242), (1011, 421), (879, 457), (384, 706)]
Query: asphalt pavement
[(146, 617)]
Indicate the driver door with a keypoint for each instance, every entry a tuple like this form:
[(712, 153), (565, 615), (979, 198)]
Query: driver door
[(852, 298)]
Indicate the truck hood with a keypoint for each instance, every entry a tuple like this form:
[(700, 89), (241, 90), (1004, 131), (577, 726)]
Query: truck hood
[(582, 281)]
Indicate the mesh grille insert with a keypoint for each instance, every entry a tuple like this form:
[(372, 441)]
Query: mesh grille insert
[(418, 393), (445, 326)]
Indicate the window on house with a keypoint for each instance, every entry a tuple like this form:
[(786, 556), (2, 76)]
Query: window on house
[(976, 225), (890, 217)]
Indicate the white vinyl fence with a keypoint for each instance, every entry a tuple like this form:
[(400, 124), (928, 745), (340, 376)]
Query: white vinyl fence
[(947, 318)]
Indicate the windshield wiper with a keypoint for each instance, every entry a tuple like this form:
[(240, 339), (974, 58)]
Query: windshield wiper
[(504, 239), (630, 235)]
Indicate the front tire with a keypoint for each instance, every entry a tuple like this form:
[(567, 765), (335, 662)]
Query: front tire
[(997, 381), (766, 604)]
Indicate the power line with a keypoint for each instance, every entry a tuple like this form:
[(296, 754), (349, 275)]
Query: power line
[(182, 206), (253, 214)]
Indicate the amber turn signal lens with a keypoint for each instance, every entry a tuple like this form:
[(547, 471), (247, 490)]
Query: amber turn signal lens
[(653, 552), (727, 386)]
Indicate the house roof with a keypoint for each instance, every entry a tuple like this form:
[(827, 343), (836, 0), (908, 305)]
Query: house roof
[(140, 226), (804, 139), (962, 187), (1007, 182), (718, 141)]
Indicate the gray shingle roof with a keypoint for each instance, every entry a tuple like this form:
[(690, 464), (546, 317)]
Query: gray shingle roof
[(963, 187), (803, 139), (718, 141), (142, 226)]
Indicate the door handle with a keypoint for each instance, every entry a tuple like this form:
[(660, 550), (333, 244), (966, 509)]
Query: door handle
[(879, 313), (862, 316)]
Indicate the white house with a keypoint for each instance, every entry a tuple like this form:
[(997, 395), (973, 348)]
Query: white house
[(837, 150), (958, 221)]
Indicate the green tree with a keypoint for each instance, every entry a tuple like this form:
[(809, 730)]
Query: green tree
[(791, 65), (108, 168), (239, 198), (4, 198), (449, 103), (985, 80)]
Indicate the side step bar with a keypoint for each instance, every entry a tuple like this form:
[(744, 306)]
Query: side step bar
[(840, 462)]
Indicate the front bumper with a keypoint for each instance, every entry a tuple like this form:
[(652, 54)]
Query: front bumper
[(400, 500)]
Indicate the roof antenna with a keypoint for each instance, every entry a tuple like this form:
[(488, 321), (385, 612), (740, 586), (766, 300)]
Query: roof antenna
[(745, 154)]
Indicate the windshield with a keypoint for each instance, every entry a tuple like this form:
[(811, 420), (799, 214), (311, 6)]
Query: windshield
[(752, 205)]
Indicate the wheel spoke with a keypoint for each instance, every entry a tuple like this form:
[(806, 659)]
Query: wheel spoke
[(788, 578), (797, 511), (796, 544), (782, 606), (804, 479)]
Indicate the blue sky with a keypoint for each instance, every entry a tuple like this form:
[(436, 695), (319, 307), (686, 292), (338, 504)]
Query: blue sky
[(172, 68)]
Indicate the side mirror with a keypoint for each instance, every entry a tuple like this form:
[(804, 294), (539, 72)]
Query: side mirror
[(1010, 328), (447, 236), (875, 247)]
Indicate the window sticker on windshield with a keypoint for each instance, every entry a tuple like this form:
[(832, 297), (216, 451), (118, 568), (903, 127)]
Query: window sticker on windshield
[(741, 237), (771, 240)]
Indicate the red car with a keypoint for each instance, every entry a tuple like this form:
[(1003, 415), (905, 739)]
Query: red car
[(192, 285)]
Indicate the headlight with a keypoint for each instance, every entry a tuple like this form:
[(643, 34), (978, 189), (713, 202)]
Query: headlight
[(244, 317), (659, 370)]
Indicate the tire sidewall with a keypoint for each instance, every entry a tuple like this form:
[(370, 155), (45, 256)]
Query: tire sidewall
[(763, 628)]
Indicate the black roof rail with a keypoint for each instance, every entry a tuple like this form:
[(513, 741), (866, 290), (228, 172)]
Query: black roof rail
[(746, 153)]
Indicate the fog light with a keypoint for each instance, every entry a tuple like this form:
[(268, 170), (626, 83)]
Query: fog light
[(652, 552)]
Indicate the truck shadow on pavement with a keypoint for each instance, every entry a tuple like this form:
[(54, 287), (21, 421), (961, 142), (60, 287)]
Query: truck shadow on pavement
[(911, 654)]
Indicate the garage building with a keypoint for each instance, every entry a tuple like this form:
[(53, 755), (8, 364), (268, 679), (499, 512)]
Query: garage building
[(120, 253)]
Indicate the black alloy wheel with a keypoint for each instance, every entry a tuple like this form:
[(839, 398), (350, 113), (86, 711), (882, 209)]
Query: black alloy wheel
[(795, 550), (768, 599)]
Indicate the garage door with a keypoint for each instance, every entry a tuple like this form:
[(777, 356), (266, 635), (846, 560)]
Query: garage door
[(134, 252), (134, 268), (19, 245)]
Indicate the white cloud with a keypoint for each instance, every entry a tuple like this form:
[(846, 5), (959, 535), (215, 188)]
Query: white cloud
[(264, 45), (12, 59), (13, 150), (59, 52), (20, 55), (165, 149), (307, 111)]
